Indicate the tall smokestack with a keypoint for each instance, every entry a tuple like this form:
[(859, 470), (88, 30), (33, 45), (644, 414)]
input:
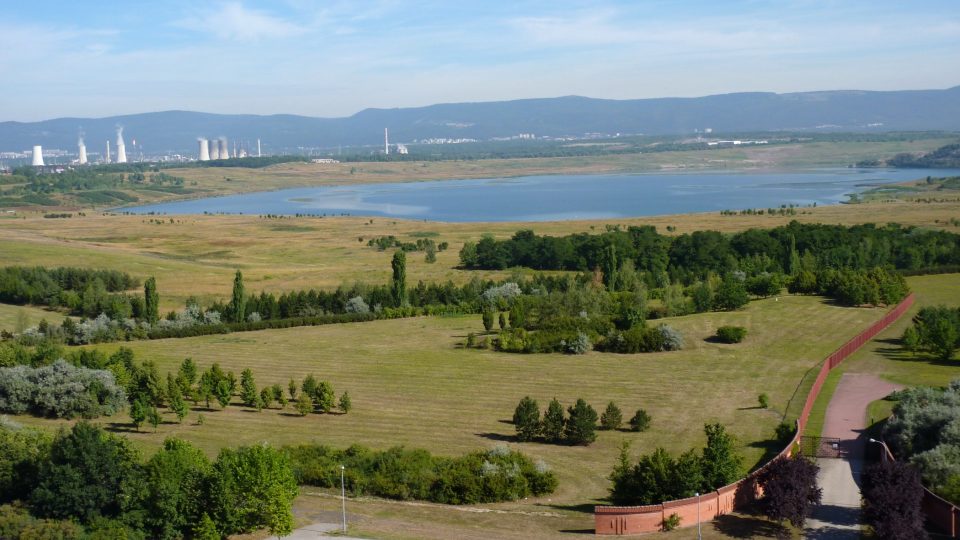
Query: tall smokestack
[(106, 159), (82, 150), (204, 151), (214, 149), (37, 156), (121, 148), (386, 142), (258, 148), (224, 151)]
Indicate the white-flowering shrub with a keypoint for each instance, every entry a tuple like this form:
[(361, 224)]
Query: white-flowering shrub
[(253, 317), (60, 390), (672, 339), (501, 294), (578, 345), (356, 305), (213, 317)]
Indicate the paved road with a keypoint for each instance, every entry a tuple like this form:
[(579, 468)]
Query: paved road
[(839, 514)]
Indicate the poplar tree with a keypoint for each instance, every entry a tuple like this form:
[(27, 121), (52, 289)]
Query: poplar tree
[(238, 304), (151, 301), (399, 289)]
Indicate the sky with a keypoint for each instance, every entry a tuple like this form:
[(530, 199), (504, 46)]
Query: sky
[(335, 58)]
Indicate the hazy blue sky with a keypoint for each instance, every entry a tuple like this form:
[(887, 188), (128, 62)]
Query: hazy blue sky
[(72, 58)]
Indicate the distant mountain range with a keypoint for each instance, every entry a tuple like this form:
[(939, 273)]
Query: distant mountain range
[(847, 110)]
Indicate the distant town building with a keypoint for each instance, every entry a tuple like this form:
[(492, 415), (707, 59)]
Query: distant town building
[(328, 160)]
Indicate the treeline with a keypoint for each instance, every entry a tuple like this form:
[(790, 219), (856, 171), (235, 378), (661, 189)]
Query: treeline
[(251, 162), (945, 157), (85, 481), (690, 257), (81, 290), (490, 476)]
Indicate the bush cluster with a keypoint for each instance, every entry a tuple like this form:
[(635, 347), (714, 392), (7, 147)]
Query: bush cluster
[(87, 481), (60, 390), (731, 334), (479, 477)]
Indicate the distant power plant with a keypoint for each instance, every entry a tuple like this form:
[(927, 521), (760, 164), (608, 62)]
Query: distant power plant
[(106, 158), (204, 151), (37, 156), (82, 151), (121, 148)]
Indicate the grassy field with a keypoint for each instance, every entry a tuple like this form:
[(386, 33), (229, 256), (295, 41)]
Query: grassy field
[(197, 255), (412, 385), (11, 317)]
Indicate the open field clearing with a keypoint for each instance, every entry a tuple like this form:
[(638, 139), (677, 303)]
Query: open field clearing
[(13, 316), (412, 385), (197, 255)]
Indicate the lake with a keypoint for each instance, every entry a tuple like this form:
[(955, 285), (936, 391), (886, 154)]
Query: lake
[(557, 197)]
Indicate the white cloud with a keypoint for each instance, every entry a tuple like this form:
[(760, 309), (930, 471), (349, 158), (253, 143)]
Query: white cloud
[(233, 21)]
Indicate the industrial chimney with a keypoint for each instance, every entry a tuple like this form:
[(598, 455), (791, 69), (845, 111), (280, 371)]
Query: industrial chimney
[(214, 149), (224, 151), (386, 142), (106, 159), (121, 148), (82, 151), (37, 156)]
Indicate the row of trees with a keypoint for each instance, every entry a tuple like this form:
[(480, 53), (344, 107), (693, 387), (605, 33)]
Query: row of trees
[(577, 427), (98, 480)]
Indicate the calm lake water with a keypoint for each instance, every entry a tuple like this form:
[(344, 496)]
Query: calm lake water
[(558, 197)]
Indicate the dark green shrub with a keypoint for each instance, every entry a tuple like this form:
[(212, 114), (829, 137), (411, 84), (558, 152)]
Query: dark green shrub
[(731, 334)]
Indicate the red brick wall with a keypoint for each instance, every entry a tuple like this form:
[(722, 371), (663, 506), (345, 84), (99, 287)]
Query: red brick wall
[(646, 519)]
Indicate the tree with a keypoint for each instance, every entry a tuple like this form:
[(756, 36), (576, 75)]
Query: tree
[(910, 339), (721, 463), (238, 301), (892, 494), (640, 421), (487, 319), (88, 474), (278, 395), (153, 417), (325, 396), (176, 476), (187, 373), (206, 529), (248, 388), (553, 422), (526, 419), (309, 386), (582, 424), (503, 321), (151, 301), (138, 413), (731, 293), (223, 393), (266, 397), (250, 488), (304, 404), (292, 389), (178, 406), (399, 286), (612, 417), (345, 404), (790, 489)]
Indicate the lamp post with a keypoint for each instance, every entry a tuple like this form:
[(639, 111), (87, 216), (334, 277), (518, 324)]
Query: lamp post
[(699, 534), (887, 453), (343, 499)]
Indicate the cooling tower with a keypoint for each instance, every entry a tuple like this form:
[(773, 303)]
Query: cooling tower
[(82, 151), (37, 156), (204, 151), (224, 151), (214, 149), (121, 148)]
